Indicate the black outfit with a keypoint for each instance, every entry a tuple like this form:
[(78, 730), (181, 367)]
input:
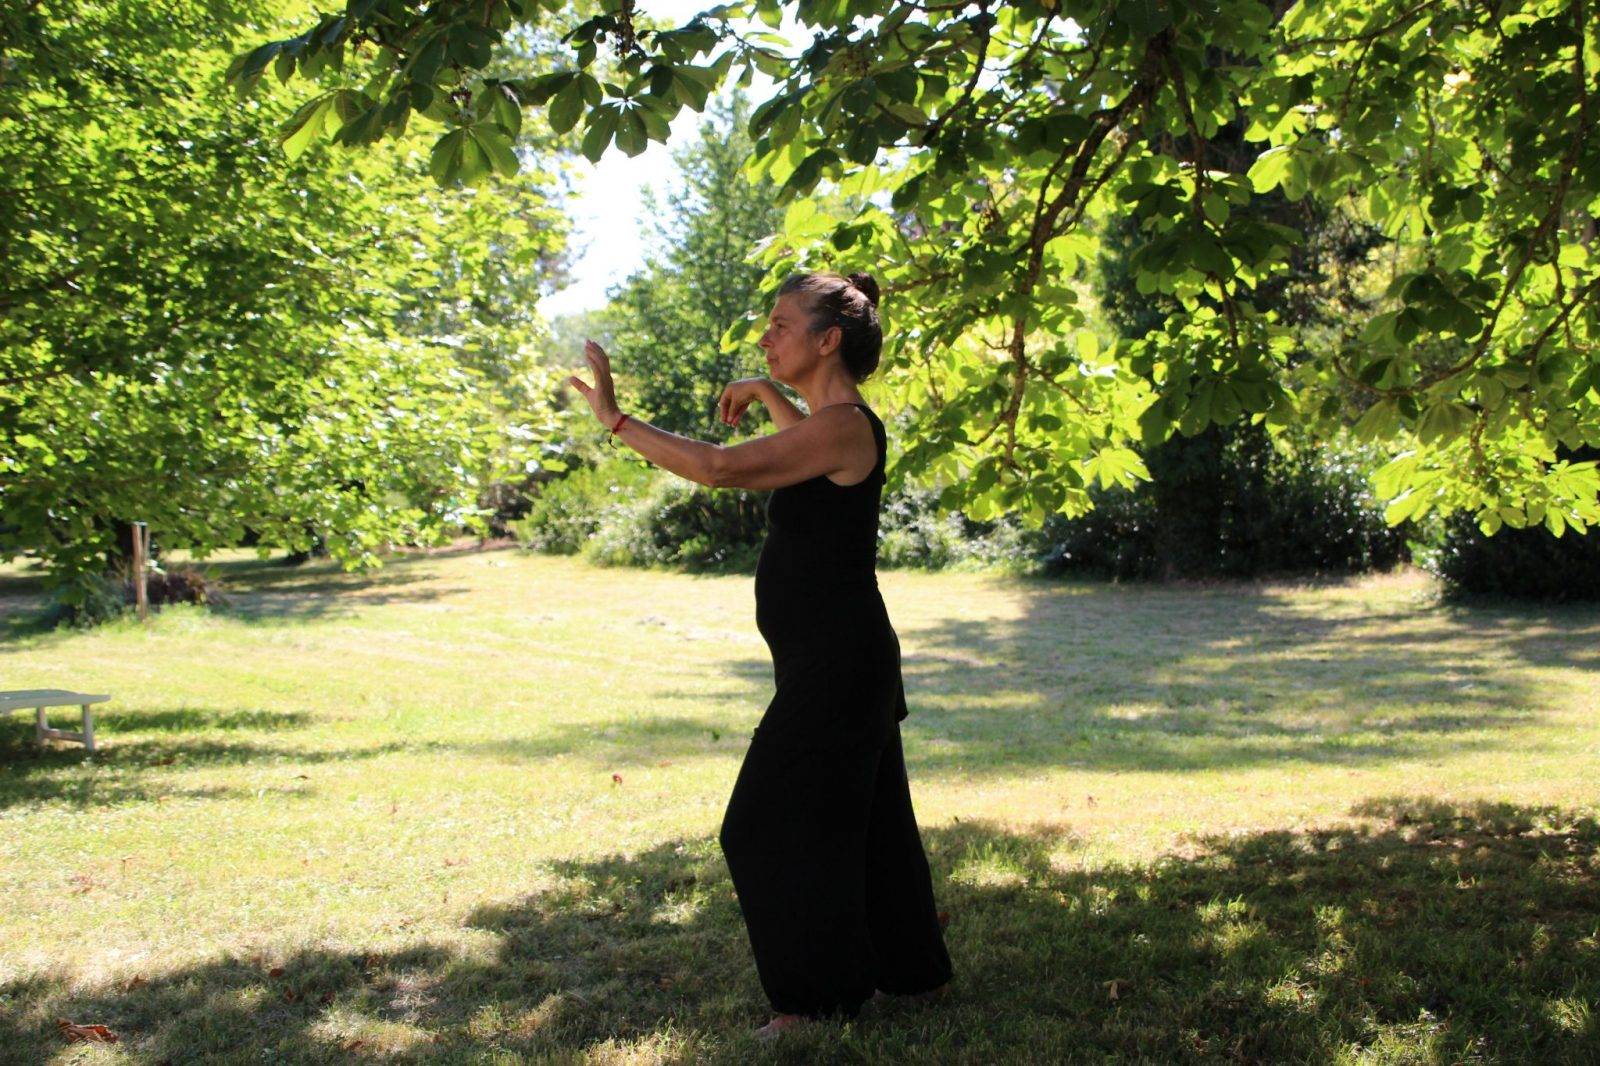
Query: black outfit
[(819, 834)]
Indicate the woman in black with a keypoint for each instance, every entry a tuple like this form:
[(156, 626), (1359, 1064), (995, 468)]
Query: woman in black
[(819, 833)]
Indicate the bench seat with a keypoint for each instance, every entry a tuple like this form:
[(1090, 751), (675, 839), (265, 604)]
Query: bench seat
[(40, 698)]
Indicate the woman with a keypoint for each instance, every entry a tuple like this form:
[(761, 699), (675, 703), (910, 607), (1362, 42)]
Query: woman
[(819, 834)]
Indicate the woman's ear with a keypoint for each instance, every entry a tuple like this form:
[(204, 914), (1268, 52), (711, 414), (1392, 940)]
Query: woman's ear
[(838, 339)]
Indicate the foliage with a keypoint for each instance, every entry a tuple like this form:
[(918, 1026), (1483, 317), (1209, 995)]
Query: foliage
[(677, 523), (198, 336), (1530, 564), (914, 532), (665, 322), (567, 511), (1464, 134), (1228, 502), (1225, 501)]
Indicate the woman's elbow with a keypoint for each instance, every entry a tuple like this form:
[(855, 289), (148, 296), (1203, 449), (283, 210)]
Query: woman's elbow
[(716, 474)]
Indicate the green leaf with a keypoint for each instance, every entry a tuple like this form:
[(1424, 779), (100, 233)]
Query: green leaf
[(446, 161), (600, 132), (304, 125), (566, 108), (630, 133), (497, 148), (1270, 167), (1154, 424)]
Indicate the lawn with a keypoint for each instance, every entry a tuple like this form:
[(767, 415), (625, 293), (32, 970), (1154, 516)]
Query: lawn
[(464, 808)]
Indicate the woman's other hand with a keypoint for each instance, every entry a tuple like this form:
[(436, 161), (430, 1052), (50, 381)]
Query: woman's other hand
[(602, 394), (738, 396)]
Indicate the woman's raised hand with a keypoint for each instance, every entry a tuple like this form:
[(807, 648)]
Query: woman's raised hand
[(738, 396), (602, 394)]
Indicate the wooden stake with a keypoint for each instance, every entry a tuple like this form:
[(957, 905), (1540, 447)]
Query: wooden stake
[(141, 552)]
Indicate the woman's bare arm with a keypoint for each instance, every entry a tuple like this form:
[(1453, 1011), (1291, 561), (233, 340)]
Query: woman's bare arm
[(808, 447), (768, 462), (784, 414)]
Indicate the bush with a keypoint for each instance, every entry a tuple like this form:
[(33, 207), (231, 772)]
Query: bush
[(179, 584), (1226, 502), (678, 523), (569, 510), (91, 599), (1528, 564), (1117, 539), (913, 533)]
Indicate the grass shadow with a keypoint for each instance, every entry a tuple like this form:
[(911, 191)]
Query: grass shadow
[(130, 769), (1156, 678), (1425, 932)]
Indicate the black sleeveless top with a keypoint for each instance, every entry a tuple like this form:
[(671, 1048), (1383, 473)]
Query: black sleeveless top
[(823, 534), (835, 654)]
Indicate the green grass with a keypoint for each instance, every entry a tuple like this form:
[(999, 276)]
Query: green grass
[(374, 816)]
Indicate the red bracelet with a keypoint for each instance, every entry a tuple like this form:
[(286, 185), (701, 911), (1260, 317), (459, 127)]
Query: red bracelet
[(618, 426)]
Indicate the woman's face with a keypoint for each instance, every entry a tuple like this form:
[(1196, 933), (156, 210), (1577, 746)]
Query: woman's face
[(792, 351)]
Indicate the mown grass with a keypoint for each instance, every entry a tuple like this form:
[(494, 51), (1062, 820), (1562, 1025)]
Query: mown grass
[(464, 809)]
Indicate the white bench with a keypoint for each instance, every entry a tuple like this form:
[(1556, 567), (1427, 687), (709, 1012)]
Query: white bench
[(40, 698)]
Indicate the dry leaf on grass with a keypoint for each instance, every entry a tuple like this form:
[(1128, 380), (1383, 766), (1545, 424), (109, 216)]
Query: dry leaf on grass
[(90, 1033)]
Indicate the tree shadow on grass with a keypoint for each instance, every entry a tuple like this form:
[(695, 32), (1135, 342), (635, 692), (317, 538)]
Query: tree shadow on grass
[(1427, 932), (325, 593), (1094, 676), (254, 590), (644, 740), (132, 769), (1155, 678)]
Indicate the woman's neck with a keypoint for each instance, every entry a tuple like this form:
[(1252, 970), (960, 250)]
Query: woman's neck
[(827, 393)]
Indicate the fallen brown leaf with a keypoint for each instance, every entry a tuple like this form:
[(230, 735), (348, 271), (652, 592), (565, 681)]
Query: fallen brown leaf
[(97, 1034)]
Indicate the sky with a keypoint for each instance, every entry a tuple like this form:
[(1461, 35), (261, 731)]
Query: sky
[(606, 200)]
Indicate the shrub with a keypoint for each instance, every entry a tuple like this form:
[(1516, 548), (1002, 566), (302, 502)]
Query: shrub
[(1226, 502), (678, 523), (569, 510), (1529, 564), (92, 599), (179, 584), (913, 533)]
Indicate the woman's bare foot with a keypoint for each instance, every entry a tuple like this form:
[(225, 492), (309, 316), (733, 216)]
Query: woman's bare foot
[(778, 1024)]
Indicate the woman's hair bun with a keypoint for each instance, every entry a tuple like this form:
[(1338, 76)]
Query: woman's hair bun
[(868, 287)]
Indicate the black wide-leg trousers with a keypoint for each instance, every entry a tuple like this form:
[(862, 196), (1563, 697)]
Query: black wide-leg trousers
[(822, 844)]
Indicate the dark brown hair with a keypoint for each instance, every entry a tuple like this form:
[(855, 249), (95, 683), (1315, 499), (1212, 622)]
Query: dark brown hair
[(851, 303)]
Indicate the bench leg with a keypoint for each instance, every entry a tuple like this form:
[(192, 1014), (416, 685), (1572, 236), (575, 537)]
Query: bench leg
[(42, 730)]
